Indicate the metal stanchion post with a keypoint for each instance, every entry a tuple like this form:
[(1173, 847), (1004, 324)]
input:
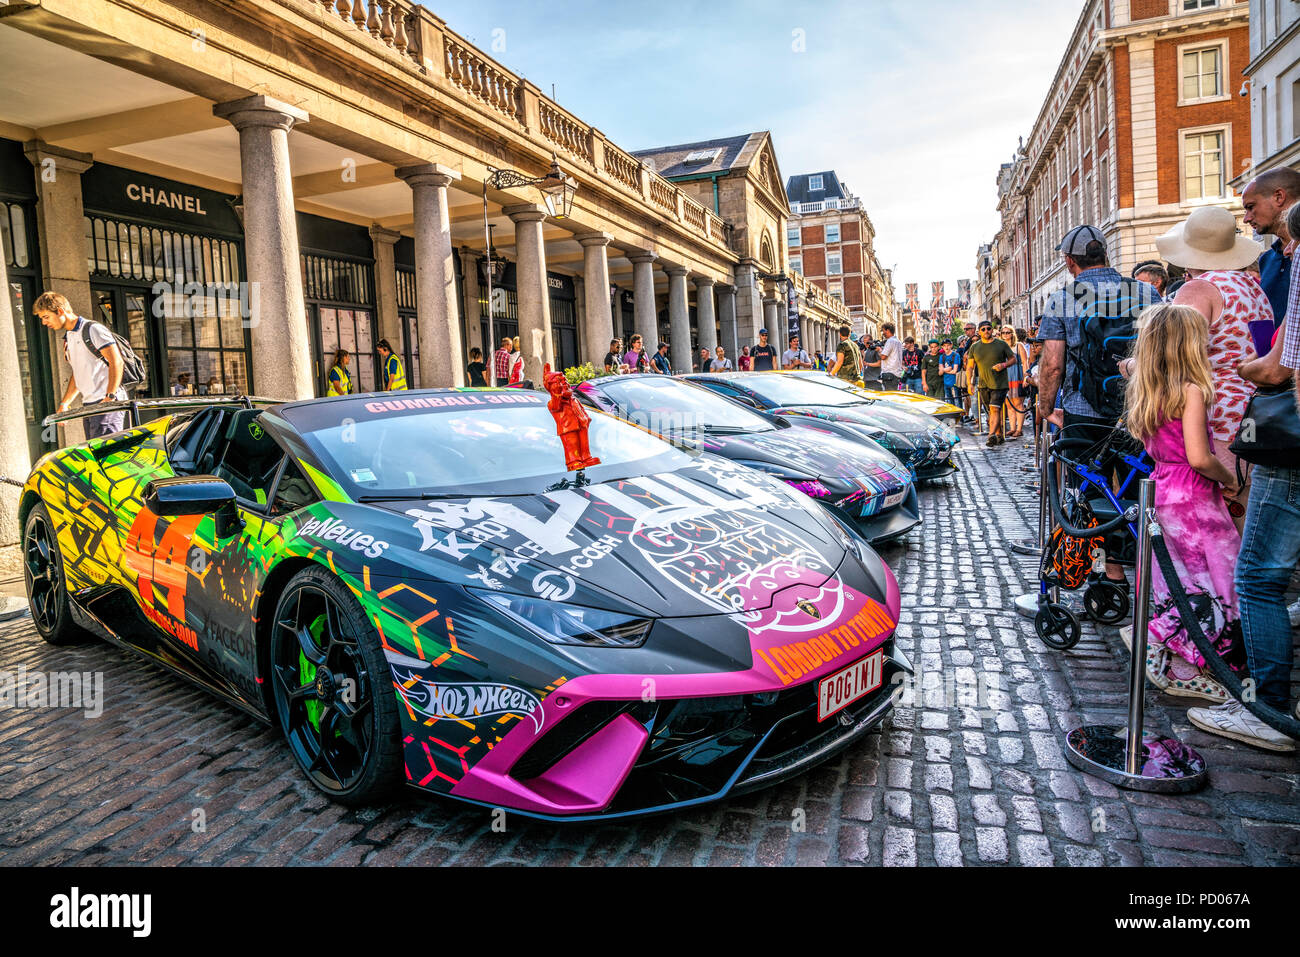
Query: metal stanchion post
[(1126, 757), (1027, 604)]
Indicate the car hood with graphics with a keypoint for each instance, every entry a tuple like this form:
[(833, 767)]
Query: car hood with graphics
[(879, 414), (679, 544)]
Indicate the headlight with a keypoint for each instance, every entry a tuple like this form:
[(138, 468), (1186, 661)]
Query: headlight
[(562, 624), (897, 442), (850, 539)]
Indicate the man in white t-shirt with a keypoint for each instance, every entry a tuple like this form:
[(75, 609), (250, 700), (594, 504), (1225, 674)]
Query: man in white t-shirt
[(794, 357), (891, 359), (720, 363), (96, 371)]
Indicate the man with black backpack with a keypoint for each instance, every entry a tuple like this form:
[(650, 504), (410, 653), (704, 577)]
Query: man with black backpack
[(103, 363), (1087, 328)]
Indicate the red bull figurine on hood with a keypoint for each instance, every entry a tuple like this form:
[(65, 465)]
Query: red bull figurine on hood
[(571, 421)]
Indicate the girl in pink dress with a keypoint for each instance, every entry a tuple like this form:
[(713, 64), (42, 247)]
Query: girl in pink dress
[(1169, 394), (1219, 286)]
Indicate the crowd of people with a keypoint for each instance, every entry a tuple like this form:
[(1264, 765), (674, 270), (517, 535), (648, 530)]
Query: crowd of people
[(1215, 324)]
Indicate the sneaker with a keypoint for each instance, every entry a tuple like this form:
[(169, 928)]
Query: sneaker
[(992, 443), (1232, 720), (1294, 611)]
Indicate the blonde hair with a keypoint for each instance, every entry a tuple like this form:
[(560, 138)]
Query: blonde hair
[(51, 303), (1171, 352)]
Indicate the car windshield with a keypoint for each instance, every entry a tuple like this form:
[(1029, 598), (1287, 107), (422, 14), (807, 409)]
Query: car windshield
[(668, 406), (467, 445), (787, 390)]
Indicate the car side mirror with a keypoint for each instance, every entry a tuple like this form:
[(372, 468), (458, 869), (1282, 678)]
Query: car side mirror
[(187, 495), (195, 495)]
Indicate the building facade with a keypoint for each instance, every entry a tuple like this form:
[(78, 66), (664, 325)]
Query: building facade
[(832, 242), (243, 189), (1142, 123), (1273, 75)]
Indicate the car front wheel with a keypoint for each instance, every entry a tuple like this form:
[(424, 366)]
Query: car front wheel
[(333, 691)]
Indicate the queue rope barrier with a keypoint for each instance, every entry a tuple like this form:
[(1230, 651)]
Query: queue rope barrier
[(1283, 723)]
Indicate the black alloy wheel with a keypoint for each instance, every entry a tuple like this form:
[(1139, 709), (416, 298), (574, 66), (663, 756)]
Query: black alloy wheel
[(331, 686)]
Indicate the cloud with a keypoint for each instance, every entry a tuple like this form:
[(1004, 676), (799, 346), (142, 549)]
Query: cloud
[(915, 103)]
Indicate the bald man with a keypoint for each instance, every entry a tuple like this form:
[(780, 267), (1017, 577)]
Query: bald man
[(1266, 199)]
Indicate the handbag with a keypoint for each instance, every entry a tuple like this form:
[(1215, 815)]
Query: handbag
[(1270, 430)]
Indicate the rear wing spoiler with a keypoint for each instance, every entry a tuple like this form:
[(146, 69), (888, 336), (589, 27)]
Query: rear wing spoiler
[(136, 406)]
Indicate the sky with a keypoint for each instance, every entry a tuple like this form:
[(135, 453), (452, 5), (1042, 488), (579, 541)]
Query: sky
[(914, 103)]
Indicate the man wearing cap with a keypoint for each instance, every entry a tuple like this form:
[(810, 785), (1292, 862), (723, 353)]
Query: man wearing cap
[(764, 355), (870, 362), (932, 371), (991, 357), (1084, 250)]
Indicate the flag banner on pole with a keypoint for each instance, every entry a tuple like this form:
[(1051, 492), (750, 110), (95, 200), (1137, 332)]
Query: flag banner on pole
[(963, 293), (792, 311), (936, 295), (913, 297)]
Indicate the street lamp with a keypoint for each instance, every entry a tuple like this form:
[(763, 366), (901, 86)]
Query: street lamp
[(557, 191)]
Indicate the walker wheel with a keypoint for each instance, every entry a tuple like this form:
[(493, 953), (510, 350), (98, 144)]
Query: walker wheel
[(1057, 627), (1106, 602)]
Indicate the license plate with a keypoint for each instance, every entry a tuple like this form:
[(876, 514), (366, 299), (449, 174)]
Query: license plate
[(892, 500), (838, 691)]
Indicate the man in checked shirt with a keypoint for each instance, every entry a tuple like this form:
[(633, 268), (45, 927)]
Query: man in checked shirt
[(501, 362)]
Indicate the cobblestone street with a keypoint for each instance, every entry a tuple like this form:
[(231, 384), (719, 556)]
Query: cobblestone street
[(948, 782)]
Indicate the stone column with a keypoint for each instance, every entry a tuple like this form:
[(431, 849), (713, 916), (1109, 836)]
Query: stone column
[(598, 322), (643, 300), (531, 288), (679, 320), (727, 322), (437, 314), (15, 455), (60, 223), (282, 357), (771, 324), (749, 306), (390, 325), (472, 311), (705, 314)]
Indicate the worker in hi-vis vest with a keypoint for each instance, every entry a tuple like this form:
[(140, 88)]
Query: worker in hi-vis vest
[(340, 383), (393, 377)]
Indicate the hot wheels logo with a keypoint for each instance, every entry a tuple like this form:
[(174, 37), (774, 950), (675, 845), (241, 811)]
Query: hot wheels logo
[(467, 700)]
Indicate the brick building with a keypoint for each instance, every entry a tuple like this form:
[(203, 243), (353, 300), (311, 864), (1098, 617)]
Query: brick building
[(1274, 84), (832, 243), (1141, 124)]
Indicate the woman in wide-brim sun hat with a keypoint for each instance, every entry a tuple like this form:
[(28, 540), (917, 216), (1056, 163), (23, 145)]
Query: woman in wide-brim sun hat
[(1216, 256)]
